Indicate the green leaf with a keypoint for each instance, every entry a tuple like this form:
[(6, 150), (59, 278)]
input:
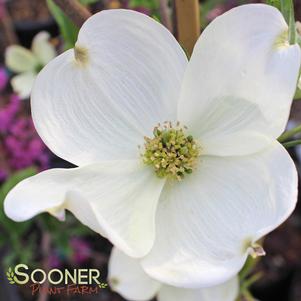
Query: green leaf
[(87, 2), (17, 177), (206, 8), (9, 225), (275, 3), (68, 29), (287, 9), (150, 4), (289, 134), (291, 143), (297, 94), (10, 259)]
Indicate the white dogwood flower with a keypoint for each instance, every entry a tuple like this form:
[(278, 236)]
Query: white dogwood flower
[(127, 278), (27, 63), (202, 187)]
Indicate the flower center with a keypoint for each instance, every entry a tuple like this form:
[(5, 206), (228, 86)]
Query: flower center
[(171, 152)]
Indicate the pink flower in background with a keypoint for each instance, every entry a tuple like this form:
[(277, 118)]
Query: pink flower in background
[(215, 12), (126, 4), (143, 10), (54, 260), (3, 175), (221, 8), (8, 113), (3, 78), (81, 250), (21, 145)]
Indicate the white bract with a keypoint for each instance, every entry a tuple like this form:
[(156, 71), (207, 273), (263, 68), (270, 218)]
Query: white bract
[(196, 196), (27, 63), (127, 278)]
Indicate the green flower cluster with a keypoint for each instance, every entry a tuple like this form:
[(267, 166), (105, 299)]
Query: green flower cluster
[(171, 152)]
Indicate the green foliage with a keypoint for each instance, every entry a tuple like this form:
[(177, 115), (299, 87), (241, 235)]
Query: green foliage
[(21, 239), (275, 3), (68, 29), (88, 2), (292, 143), (12, 231), (297, 94), (287, 9), (150, 4), (62, 232), (60, 237), (6, 223), (290, 134)]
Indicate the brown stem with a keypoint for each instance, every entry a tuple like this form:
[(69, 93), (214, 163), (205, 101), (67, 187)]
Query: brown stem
[(74, 10), (165, 14), (188, 23), (7, 27), (46, 247)]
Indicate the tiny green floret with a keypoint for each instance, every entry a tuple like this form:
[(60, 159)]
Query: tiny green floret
[(171, 152)]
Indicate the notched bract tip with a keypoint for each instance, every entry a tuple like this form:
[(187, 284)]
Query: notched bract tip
[(58, 212), (282, 40), (81, 55)]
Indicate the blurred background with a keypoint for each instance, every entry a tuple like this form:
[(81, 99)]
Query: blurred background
[(46, 242)]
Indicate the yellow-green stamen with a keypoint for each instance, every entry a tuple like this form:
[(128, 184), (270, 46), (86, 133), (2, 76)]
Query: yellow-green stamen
[(171, 152)]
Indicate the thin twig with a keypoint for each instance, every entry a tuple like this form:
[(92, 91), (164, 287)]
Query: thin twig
[(74, 10), (6, 26), (188, 23), (165, 14)]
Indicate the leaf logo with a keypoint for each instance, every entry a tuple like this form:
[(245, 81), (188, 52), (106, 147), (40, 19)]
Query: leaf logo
[(10, 276), (103, 285)]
